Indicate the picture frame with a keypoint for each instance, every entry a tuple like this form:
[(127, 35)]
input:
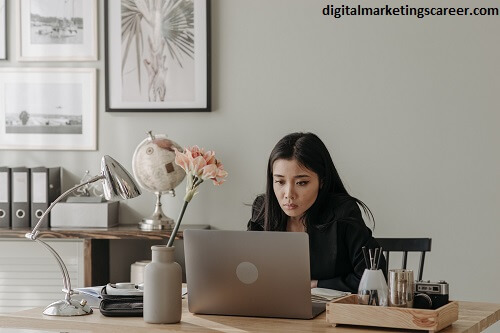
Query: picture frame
[(3, 31), (57, 30), (147, 72), (48, 108)]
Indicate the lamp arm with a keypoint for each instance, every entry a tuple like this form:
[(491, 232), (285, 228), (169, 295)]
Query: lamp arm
[(66, 280), (34, 233)]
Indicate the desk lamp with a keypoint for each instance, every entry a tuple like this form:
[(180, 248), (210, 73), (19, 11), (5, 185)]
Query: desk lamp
[(117, 184)]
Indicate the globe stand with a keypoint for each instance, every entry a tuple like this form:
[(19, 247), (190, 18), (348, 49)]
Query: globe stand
[(158, 221)]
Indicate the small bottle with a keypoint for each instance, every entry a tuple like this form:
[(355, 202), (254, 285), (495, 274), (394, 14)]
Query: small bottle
[(162, 287)]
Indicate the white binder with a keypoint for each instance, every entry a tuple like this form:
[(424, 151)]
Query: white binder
[(20, 208), (45, 188)]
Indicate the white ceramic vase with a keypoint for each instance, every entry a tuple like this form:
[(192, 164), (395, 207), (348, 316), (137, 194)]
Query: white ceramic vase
[(373, 288), (162, 287)]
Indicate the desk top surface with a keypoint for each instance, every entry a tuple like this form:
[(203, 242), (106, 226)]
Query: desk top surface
[(473, 317)]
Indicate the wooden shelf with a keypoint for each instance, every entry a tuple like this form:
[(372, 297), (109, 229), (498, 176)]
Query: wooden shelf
[(96, 244), (120, 232)]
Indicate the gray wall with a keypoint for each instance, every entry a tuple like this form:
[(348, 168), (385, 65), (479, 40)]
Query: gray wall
[(409, 109)]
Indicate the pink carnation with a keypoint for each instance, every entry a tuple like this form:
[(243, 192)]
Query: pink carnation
[(199, 166)]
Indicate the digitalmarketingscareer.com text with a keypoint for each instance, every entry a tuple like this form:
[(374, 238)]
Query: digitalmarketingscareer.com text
[(338, 11)]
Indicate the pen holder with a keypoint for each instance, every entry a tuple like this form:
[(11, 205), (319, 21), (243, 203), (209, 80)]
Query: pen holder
[(373, 288), (401, 288)]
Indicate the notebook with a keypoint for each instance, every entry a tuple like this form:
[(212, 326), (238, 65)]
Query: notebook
[(249, 273)]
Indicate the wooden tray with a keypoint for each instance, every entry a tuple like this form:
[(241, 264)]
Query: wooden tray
[(346, 310)]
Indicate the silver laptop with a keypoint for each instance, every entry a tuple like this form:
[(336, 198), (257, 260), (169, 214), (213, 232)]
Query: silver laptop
[(249, 273)]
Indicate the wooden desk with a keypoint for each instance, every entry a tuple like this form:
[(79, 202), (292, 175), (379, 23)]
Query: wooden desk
[(96, 244), (473, 317)]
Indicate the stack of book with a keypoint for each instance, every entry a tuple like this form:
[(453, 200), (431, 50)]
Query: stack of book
[(323, 295)]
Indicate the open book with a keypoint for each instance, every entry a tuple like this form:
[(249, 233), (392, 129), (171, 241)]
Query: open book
[(324, 295)]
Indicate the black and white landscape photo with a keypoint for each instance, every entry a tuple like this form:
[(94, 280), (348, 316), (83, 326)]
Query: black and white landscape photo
[(57, 30), (52, 108), (56, 21)]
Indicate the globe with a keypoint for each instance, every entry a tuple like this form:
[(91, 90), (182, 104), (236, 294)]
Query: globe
[(154, 168)]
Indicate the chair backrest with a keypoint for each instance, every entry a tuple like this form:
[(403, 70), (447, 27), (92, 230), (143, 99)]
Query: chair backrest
[(405, 245)]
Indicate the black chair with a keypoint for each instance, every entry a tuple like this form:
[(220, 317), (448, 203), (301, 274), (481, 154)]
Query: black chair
[(405, 245)]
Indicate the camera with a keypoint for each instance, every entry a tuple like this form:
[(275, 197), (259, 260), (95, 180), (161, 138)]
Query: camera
[(123, 289), (430, 295)]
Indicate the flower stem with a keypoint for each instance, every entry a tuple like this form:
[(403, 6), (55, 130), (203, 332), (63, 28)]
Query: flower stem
[(177, 224)]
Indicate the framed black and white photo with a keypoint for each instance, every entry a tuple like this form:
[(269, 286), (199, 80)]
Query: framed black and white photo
[(57, 30), (48, 108), (157, 55), (3, 32)]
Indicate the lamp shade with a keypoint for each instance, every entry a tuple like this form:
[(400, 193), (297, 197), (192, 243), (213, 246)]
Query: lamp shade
[(118, 184)]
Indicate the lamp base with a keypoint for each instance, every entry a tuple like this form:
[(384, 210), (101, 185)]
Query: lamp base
[(68, 308)]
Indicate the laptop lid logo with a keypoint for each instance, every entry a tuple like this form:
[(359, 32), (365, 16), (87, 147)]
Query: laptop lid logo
[(247, 272)]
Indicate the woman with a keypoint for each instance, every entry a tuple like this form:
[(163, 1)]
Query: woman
[(304, 193)]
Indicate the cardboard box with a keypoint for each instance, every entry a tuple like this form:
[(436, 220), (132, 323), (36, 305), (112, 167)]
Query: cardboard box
[(84, 215)]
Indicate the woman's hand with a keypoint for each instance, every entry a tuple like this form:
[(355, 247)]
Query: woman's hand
[(314, 284)]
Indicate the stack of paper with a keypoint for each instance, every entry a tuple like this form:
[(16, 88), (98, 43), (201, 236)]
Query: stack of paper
[(324, 295), (91, 291), (91, 294)]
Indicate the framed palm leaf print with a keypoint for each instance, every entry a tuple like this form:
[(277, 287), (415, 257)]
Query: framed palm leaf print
[(157, 55)]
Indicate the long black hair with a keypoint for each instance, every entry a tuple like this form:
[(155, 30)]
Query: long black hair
[(310, 152)]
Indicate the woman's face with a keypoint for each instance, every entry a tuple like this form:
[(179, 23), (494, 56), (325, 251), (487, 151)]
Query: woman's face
[(295, 187)]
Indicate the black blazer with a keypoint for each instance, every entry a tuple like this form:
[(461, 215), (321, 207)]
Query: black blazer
[(335, 243)]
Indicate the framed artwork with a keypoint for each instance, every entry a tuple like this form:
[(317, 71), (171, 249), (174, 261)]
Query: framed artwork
[(157, 55), (3, 33), (48, 108), (57, 30)]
